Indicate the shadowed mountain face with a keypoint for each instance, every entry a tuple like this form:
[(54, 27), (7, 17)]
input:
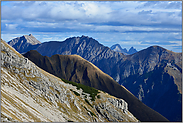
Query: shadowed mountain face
[(159, 89), (75, 68), (155, 77)]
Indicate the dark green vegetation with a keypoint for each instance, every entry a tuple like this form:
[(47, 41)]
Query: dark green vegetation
[(77, 69), (76, 93), (88, 102), (70, 121), (92, 91), (98, 96)]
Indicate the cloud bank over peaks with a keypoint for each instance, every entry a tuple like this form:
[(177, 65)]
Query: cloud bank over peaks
[(137, 18)]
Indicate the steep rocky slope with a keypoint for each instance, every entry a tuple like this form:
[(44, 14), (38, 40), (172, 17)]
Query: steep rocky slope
[(75, 68), (29, 94), (24, 43)]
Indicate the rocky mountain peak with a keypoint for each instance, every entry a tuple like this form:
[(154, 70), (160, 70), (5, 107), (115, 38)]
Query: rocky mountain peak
[(24, 43), (118, 48), (31, 39), (132, 50), (24, 39), (83, 36)]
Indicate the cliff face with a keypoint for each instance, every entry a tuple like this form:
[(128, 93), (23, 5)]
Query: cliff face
[(29, 94)]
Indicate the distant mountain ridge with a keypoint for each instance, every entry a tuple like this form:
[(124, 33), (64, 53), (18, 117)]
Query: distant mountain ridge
[(118, 48)]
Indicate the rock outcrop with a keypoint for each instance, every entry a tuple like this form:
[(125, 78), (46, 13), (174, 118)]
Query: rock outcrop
[(29, 94)]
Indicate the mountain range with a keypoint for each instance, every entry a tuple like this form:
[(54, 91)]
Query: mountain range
[(145, 73), (118, 48), (30, 94), (75, 68)]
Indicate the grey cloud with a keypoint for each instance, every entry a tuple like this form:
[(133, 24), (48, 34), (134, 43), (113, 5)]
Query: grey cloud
[(174, 5), (177, 47), (162, 4), (158, 43)]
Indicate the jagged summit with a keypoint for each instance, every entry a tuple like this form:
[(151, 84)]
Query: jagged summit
[(24, 43), (118, 48), (132, 50), (24, 39)]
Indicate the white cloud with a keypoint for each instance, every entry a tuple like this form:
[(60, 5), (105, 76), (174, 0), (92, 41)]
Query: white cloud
[(11, 26), (115, 21)]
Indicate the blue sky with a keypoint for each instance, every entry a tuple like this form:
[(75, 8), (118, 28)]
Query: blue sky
[(129, 23)]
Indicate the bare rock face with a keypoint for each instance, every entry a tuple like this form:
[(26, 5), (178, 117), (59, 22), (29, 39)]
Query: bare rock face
[(29, 94), (24, 43)]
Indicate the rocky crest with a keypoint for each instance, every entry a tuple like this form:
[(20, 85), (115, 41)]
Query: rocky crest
[(29, 94), (118, 48), (24, 43)]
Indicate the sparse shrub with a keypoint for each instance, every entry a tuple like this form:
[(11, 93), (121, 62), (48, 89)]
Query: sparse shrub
[(88, 102), (70, 121), (76, 93), (98, 96), (90, 112), (92, 91)]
